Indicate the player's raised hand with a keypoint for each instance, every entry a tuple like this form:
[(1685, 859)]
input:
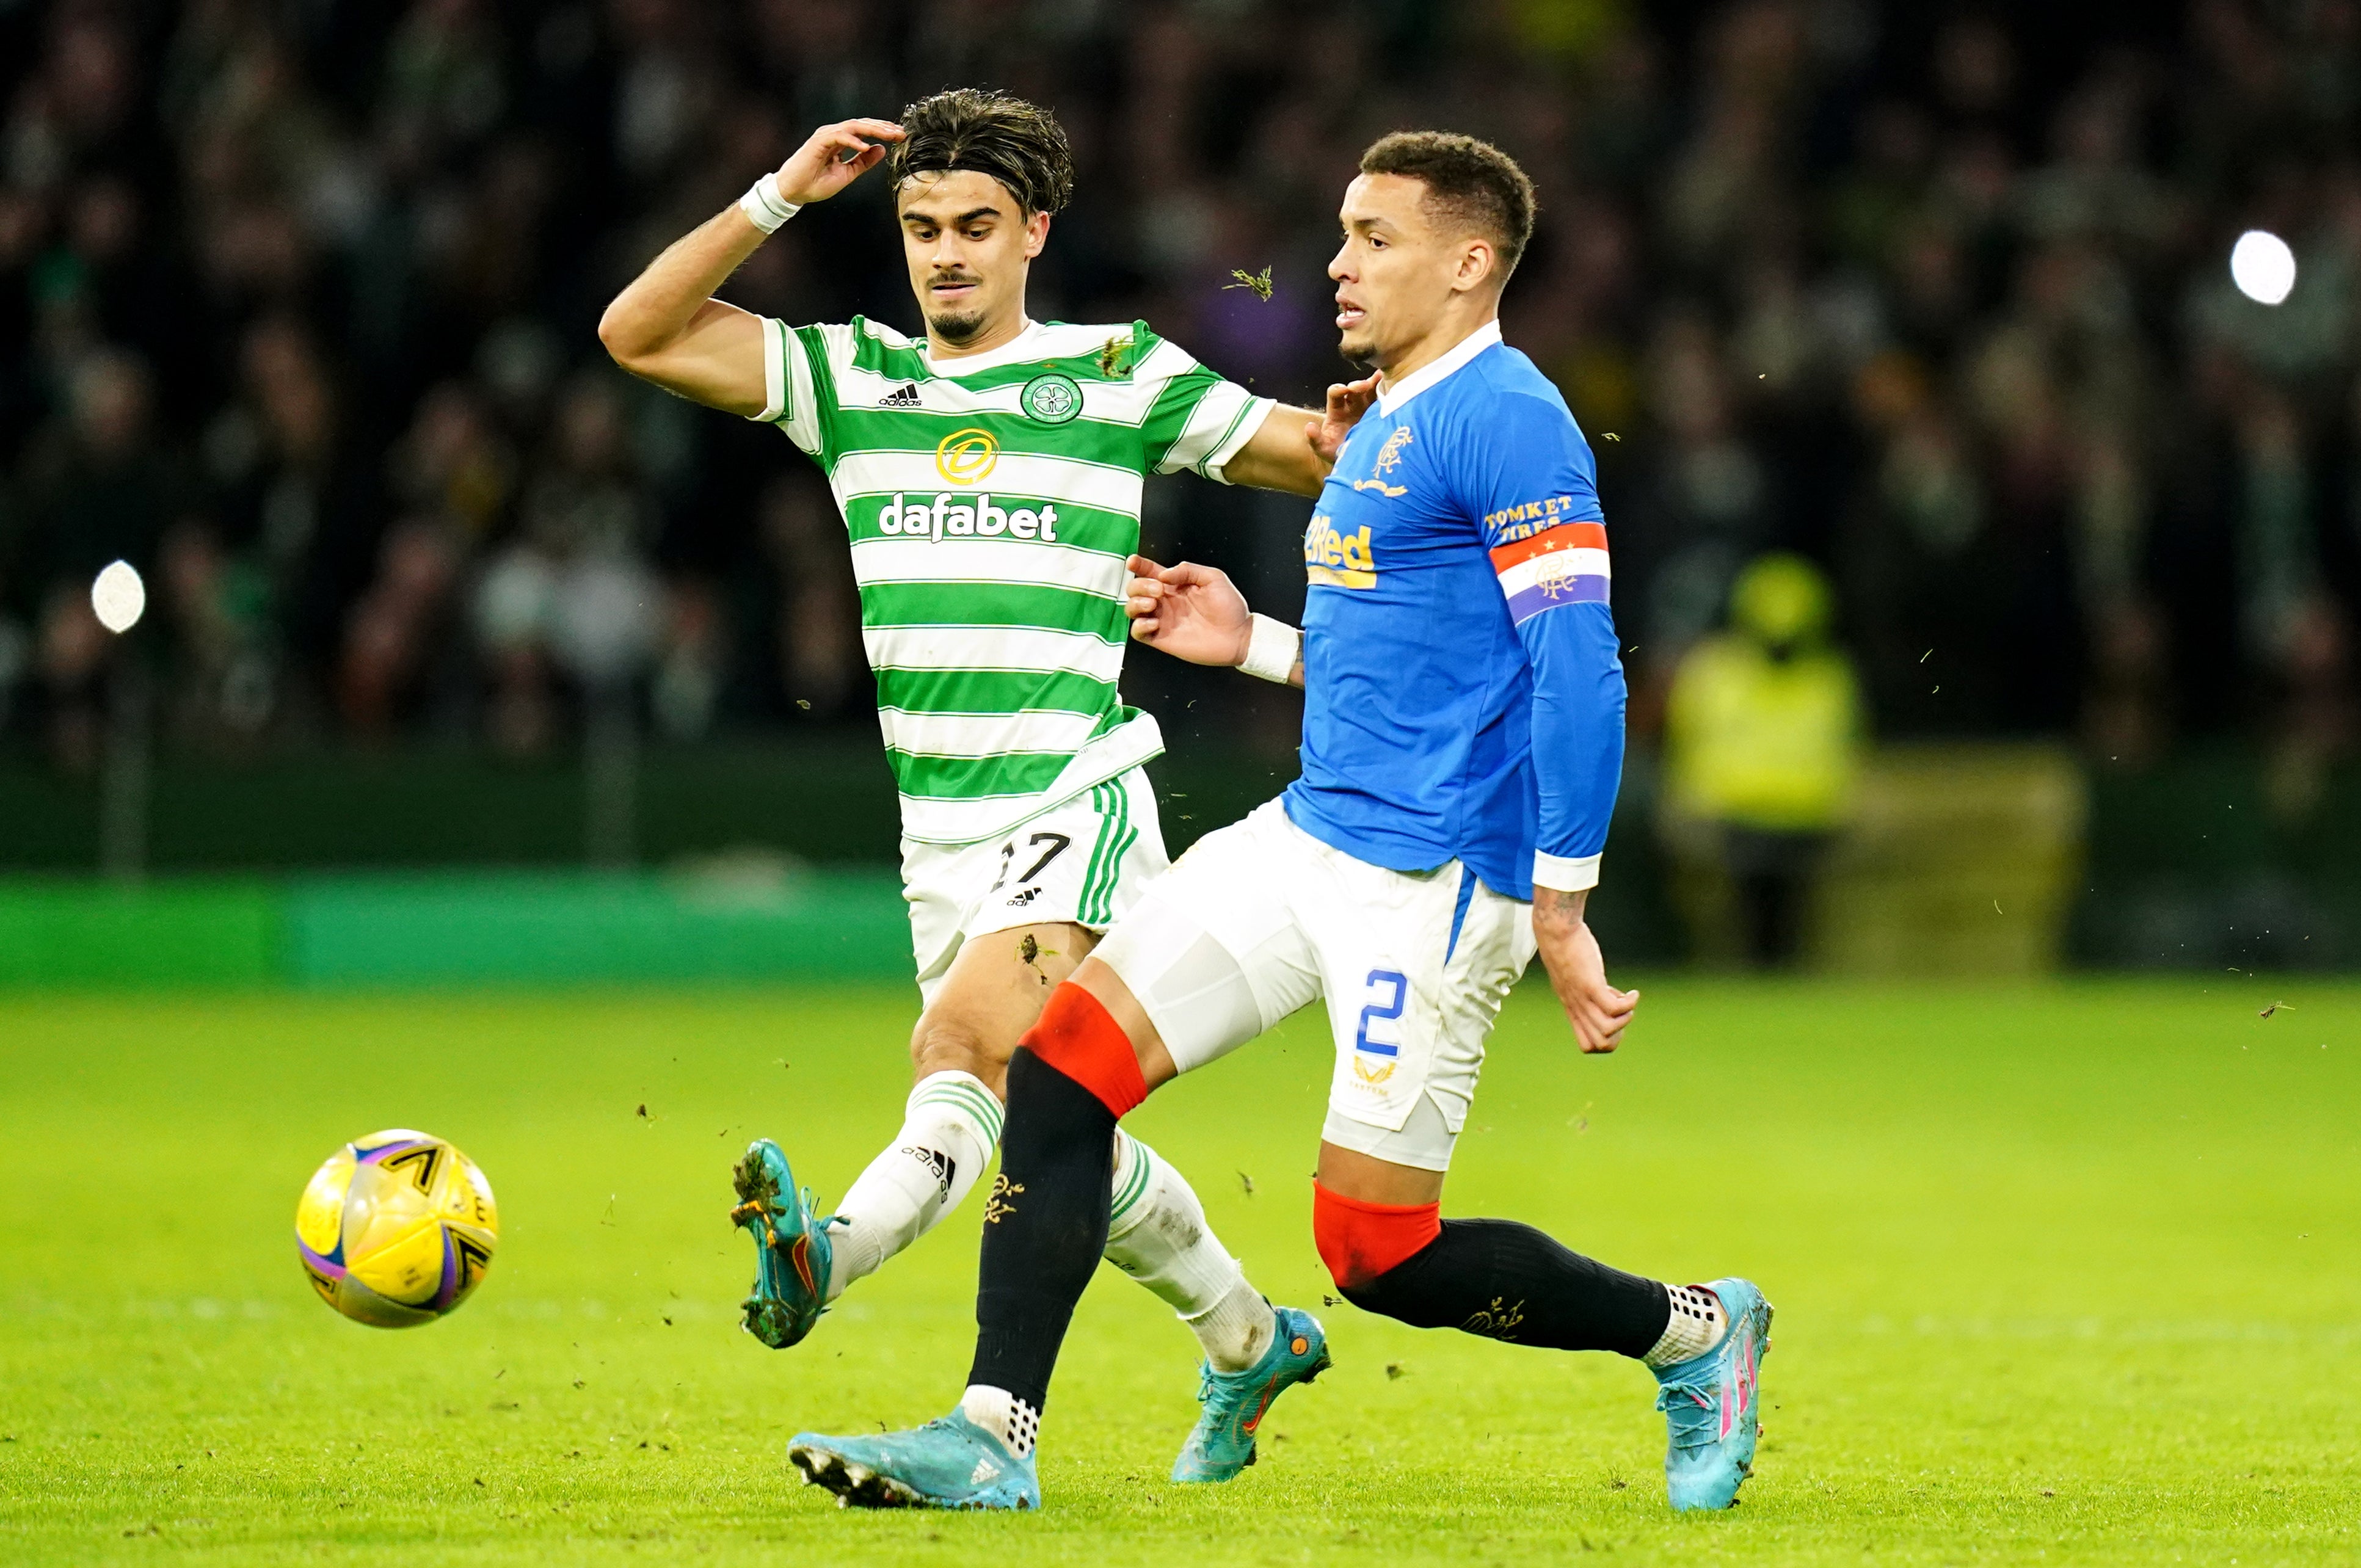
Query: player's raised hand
[(833, 157), (1577, 971), (1190, 611), (1347, 402)]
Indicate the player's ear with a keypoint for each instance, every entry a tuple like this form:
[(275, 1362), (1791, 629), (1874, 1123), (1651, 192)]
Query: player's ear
[(1478, 262), (1037, 234)]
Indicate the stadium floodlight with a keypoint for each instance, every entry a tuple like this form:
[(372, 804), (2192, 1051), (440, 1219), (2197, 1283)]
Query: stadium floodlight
[(2263, 267), (118, 598)]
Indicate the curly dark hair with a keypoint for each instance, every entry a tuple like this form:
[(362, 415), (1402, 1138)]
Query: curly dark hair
[(1471, 185), (1019, 144)]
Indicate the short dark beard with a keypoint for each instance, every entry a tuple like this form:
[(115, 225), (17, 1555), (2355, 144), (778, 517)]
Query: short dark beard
[(956, 330)]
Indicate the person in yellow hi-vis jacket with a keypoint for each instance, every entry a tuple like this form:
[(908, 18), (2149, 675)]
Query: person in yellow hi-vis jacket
[(1762, 733)]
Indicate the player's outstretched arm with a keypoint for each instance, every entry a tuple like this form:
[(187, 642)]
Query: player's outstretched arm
[(1196, 613), (1294, 448), (666, 327), (1577, 971), (1525, 477)]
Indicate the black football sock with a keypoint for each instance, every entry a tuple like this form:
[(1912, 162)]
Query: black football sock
[(1045, 1225), (1505, 1280)]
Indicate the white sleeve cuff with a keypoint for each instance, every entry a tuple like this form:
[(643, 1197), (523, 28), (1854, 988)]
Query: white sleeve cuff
[(1249, 423), (1562, 873), (774, 371)]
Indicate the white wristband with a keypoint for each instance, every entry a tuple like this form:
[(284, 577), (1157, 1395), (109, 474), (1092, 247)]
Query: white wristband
[(764, 207), (1272, 648)]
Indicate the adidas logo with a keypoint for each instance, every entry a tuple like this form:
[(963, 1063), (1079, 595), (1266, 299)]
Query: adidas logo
[(904, 395), (944, 1168)]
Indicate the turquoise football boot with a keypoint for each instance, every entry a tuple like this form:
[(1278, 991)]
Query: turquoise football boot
[(1709, 1403), (1235, 1402), (791, 1248), (947, 1463)]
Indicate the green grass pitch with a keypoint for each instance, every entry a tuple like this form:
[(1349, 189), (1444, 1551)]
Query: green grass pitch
[(2064, 1274)]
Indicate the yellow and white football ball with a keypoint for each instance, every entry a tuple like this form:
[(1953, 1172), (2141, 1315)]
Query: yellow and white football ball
[(396, 1229)]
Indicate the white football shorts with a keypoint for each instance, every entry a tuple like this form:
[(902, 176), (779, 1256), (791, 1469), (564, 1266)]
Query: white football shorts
[(1260, 918), (1082, 861)]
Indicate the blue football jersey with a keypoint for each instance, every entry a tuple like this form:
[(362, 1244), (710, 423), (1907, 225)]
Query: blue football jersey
[(1463, 692)]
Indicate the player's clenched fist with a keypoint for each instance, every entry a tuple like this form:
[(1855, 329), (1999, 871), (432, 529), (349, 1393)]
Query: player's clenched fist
[(1577, 971), (833, 157), (1190, 611)]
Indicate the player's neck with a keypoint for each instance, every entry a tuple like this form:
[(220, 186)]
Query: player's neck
[(998, 335), (1450, 330)]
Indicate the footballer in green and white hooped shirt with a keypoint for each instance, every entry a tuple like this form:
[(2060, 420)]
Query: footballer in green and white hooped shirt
[(990, 475)]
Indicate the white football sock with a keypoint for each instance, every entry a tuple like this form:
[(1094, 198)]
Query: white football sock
[(1696, 1326), (1157, 1233), (1011, 1420), (950, 1126)]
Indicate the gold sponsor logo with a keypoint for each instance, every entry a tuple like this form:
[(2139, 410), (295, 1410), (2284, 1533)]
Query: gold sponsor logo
[(966, 456), (1338, 559)]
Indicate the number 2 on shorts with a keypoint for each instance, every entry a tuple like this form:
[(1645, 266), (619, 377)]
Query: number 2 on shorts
[(1390, 1009)]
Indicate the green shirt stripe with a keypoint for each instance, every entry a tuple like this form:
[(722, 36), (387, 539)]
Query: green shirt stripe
[(874, 355), (991, 604), (1003, 774), (1168, 419), (1110, 442), (823, 394), (996, 691)]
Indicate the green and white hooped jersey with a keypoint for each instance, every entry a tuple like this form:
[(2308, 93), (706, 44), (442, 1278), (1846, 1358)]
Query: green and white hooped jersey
[(991, 504)]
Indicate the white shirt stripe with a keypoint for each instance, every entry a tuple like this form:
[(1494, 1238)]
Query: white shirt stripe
[(984, 734), (991, 648), (1015, 561)]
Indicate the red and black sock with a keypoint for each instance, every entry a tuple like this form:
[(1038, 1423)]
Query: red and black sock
[(1508, 1281), (1046, 1218)]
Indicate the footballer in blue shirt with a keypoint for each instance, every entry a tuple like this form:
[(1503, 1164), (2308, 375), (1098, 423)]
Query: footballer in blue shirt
[(1463, 741)]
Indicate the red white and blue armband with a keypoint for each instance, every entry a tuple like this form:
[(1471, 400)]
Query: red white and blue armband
[(1565, 565), (1577, 712)]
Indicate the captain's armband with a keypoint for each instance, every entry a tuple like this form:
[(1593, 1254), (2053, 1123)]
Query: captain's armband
[(1565, 565)]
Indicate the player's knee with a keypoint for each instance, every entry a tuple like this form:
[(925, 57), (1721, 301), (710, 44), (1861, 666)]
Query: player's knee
[(954, 1045), (1362, 1242)]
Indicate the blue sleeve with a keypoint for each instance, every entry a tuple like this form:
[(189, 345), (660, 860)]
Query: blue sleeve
[(1536, 491)]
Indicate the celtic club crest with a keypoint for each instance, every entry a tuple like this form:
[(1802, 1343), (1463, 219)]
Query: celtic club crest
[(1052, 398)]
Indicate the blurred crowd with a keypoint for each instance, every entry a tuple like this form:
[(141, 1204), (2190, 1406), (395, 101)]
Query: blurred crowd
[(297, 297)]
